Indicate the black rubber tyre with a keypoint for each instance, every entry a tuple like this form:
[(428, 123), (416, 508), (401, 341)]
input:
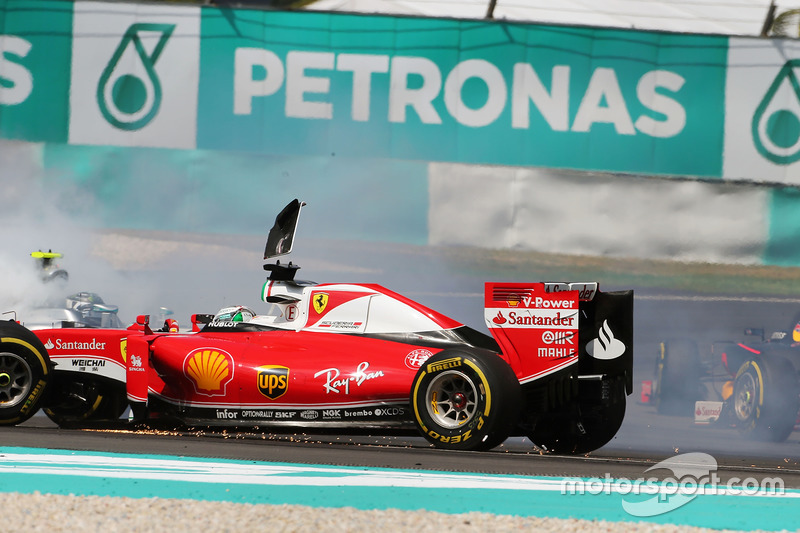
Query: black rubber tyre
[(586, 427), (76, 404), (765, 398), (677, 379), (24, 373), (465, 401)]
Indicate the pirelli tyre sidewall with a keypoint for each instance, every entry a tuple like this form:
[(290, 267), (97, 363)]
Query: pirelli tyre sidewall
[(24, 373), (465, 401), (765, 398)]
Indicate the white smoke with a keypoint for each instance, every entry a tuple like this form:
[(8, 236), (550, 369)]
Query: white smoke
[(44, 215)]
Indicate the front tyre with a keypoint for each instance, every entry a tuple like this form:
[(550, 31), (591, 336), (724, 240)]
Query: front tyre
[(76, 403), (464, 400), (24, 373), (765, 398)]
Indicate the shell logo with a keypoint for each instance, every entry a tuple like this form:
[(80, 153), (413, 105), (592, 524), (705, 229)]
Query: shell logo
[(209, 370)]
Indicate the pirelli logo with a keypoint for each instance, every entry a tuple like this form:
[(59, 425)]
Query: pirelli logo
[(444, 364)]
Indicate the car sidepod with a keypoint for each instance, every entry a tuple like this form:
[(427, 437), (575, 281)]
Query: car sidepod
[(272, 377)]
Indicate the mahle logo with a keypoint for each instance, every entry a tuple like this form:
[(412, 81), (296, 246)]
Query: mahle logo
[(776, 128), (127, 100)]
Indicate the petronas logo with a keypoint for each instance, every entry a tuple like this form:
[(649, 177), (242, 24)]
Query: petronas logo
[(129, 91), (776, 122)]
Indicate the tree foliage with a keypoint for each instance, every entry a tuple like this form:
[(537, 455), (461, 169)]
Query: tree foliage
[(786, 24)]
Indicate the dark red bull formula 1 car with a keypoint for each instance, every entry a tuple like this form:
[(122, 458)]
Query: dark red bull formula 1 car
[(346, 358), (753, 384)]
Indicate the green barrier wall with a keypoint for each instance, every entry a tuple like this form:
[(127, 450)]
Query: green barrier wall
[(783, 242), (219, 192)]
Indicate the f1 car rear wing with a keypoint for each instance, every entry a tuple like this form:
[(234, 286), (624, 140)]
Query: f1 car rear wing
[(546, 327)]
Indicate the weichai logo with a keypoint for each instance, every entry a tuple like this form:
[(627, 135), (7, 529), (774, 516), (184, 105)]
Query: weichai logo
[(776, 121), (128, 99), (273, 381)]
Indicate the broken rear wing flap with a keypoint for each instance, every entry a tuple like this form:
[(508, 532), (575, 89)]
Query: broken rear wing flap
[(280, 239)]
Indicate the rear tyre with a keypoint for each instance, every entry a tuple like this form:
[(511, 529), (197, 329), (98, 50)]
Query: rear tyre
[(588, 426), (79, 403), (677, 377), (24, 373), (465, 401), (765, 398)]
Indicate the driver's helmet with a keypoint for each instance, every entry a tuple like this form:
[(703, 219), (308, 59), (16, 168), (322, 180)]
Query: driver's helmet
[(81, 299), (796, 333), (237, 313)]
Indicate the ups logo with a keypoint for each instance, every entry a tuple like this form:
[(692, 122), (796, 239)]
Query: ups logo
[(273, 381)]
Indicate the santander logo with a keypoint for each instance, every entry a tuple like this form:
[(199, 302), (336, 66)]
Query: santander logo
[(708, 411), (605, 346), (499, 318)]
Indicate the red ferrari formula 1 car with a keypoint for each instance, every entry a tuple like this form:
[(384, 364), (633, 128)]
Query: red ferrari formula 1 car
[(346, 358)]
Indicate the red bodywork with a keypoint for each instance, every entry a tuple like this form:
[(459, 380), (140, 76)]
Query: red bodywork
[(331, 354)]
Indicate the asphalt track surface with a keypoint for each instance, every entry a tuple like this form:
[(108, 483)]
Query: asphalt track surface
[(206, 281)]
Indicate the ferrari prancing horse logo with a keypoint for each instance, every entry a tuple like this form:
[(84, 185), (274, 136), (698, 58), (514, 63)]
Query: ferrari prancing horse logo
[(320, 302)]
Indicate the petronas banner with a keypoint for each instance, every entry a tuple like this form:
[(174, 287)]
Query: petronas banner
[(473, 92), (479, 92), (35, 52), (135, 75), (762, 126)]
